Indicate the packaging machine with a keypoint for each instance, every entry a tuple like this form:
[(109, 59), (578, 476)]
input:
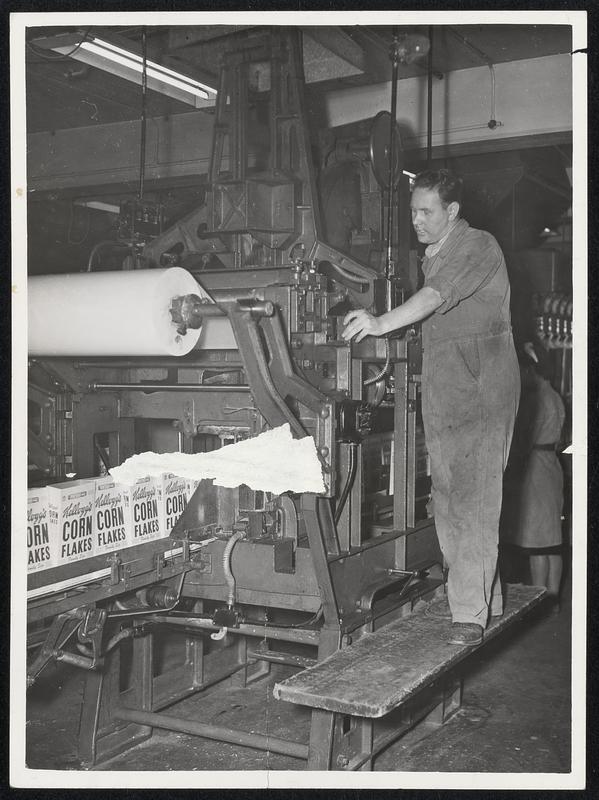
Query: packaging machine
[(246, 579)]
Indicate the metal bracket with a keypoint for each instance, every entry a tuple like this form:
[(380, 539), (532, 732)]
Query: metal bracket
[(91, 631), (159, 564), (115, 568), (90, 621), (184, 545)]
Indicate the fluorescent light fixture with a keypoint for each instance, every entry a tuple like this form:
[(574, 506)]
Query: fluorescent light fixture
[(153, 70), (98, 205), (128, 65)]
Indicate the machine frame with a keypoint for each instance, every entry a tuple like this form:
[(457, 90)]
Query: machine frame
[(309, 572)]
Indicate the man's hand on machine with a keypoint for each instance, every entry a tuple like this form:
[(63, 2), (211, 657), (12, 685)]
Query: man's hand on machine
[(359, 324)]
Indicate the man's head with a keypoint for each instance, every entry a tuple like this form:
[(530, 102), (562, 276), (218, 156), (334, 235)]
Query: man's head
[(435, 204)]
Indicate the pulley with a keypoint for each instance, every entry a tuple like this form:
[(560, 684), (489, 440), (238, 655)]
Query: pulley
[(380, 150)]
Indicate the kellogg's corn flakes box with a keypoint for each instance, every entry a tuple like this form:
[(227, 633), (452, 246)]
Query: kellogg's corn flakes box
[(174, 496), (146, 509), (112, 528), (40, 550), (70, 512)]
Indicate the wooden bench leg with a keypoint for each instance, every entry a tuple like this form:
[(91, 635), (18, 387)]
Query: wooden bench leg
[(366, 746), (343, 742), (320, 750), (450, 702), (340, 742)]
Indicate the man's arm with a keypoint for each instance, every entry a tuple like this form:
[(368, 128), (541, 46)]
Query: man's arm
[(361, 323), (471, 265)]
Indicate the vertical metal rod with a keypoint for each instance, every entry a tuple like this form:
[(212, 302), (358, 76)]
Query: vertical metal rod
[(429, 118), (239, 99), (394, 77), (144, 87), (400, 447)]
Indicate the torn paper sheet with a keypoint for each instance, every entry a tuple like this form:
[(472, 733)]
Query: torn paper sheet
[(272, 462)]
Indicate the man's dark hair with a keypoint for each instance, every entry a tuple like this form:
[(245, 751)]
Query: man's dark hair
[(448, 185)]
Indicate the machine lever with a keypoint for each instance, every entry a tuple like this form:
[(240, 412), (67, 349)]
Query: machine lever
[(61, 630), (342, 276)]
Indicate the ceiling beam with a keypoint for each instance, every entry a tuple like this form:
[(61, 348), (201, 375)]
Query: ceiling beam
[(181, 37), (417, 155), (376, 52), (340, 44), (176, 146), (328, 53)]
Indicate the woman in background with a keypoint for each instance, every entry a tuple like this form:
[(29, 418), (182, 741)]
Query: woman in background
[(534, 491)]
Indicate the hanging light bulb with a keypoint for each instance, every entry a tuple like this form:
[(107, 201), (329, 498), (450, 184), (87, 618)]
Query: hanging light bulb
[(409, 47)]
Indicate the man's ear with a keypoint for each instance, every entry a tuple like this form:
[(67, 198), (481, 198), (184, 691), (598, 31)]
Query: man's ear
[(453, 210)]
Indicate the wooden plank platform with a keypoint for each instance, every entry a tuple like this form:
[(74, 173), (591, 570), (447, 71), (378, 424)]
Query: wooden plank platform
[(383, 669)]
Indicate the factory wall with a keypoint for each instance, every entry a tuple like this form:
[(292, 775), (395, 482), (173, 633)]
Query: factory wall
[(90, 156), (532, 97)]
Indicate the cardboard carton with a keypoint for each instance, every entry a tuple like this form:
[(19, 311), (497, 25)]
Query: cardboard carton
[(146, 510), (70, 511), (41, 550), (112, 529), (175, 493)]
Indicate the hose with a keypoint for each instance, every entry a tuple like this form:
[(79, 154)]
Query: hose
[(229, 577), (380, 375), (351, 476)]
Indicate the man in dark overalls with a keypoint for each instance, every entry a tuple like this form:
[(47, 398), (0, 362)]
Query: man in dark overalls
[(470, 391)]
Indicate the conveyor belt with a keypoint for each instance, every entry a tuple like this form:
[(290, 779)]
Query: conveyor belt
[(89, 581), (89, 577)]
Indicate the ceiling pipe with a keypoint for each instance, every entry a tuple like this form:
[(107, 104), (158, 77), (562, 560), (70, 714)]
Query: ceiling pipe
[(489, 62), (463, 40)]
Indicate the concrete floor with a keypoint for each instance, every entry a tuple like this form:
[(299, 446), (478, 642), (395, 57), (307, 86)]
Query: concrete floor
[(515, 716)]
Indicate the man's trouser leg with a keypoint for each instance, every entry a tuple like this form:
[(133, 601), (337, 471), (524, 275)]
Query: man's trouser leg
[(469, 406)]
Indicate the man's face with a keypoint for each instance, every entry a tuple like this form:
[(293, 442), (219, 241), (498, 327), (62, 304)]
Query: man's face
[(431, 220)]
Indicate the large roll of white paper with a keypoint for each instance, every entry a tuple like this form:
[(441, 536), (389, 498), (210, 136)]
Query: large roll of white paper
[(109, 313)]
